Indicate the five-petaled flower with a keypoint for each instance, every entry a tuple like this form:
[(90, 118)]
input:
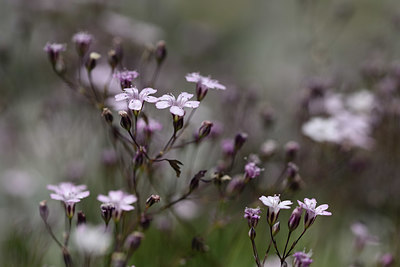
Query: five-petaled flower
[(203, 84), (176, 105), (274, 205), (137, 98), (120, 200), (310, 205), (302, 259), (252, 215), (126, 77), (69, 194), (251, 170)]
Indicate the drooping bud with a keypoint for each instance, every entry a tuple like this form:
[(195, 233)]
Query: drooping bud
[(43, 210), (133, 241), (125, 122), (252, 233), (240, 139), (295, 218), (276, 228), (291, 150), (81, 218), (160, 52), (152, 200), (107, 115), (106, 212), (92, 61), (204, 130)]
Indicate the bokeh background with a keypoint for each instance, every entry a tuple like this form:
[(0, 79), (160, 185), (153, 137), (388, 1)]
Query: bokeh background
[(265, 52)]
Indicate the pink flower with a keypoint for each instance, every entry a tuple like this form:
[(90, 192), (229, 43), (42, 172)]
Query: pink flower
[(82, 38), (119, 199), (176, 105), (310, 205), (148, 127), (135, 98), (274, 205), (207, 82), (252, 170), (126, 77), (54, 48)]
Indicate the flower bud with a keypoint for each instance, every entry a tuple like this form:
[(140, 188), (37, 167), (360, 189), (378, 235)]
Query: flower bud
[(152, 200), (160, 52), (276, 228), (81, 218), (291, 150), (198, 244), (139, 157), (118, 259), (106, 212), (240, 139), (43, 210), (194, 183), (252, 233), (294, 219), (204, 130), (145, 220), (67, 257), (133, 241), (107, 115), (92, 61), (235, 186), (113, 59), (125, 122), (53, 51)]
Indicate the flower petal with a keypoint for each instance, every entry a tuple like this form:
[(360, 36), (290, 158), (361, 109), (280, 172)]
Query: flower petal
[(148, 91), (162, 104), (135, 104), (103, 198), (151, 99), (192, 104), (121, 96), (177, 111)]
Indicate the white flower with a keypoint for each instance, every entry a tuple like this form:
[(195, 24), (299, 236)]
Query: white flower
[(310, 205), (135, 98), (322, 130), (119, 199), (207, 82), (176, 105), (92, 240), (68, 192), (275, 204), (361, 102)]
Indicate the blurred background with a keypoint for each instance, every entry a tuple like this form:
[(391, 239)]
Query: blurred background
[(275, 57)]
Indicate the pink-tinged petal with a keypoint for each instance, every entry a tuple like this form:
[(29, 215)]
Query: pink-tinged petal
[(192, 104), (56, 197), (148, 91), (169, 98), (103, 198), (322, 207), (184, 96), (126, 207), (135, 91), (135, 104), (151, 99), (52, 187), (284, 204), (73, 200), (301, 204), (162, 104), (121, 96), (193, 77), (177, 111), (129, 199), (116, 195), (82, 194), (80, 187), (129, 91), (324, 213)]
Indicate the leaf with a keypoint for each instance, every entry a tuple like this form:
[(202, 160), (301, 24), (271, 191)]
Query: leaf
[(175, 165)]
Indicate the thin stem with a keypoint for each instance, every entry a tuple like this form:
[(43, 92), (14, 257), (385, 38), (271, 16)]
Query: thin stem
[(274, 242), (253, 244), (287, 241), (155, 74), (266, 252), (107, 85), (92, 86), (134, 179), (48, 227), (68, 232), (294, 243)]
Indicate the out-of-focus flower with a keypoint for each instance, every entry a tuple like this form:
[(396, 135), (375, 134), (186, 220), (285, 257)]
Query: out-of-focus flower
[(126, 77), (252, 170), (135, 98), (310, 205), (361, 102), (176, 105), (333, 103), (302, 259), (274, 205), (252, 215), (120, 200), (362, 236), (207, 82), (268, 148), (228, 146), (82, 40), (53, 50), (386, 260), (92, 240), (150, 127), (69, 194), (18, 183)]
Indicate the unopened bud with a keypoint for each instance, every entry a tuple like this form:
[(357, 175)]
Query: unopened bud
[(106, 212), (139, 157), (204, 130), (81, 218), (240, 139), (291, 150), (235, 186), (113, 59), (294, 219), (43, 210), (67, 257), (194, 183), (145, 220), (152, 200), (92, 61), (125, 122), (276, 228), (107, 115), (198, 244), (160, 52), (252, 233), (133, 241), (118, 259)]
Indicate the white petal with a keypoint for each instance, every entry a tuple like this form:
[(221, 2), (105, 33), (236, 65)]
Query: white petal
[(56, 197), (135, 104), (177, 111), (129, 199), (126, 207), (151, 99), (103, 198), (193, 77), (162, 104), (148, 91), (265, 201), (121, 97), (192, 104)]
